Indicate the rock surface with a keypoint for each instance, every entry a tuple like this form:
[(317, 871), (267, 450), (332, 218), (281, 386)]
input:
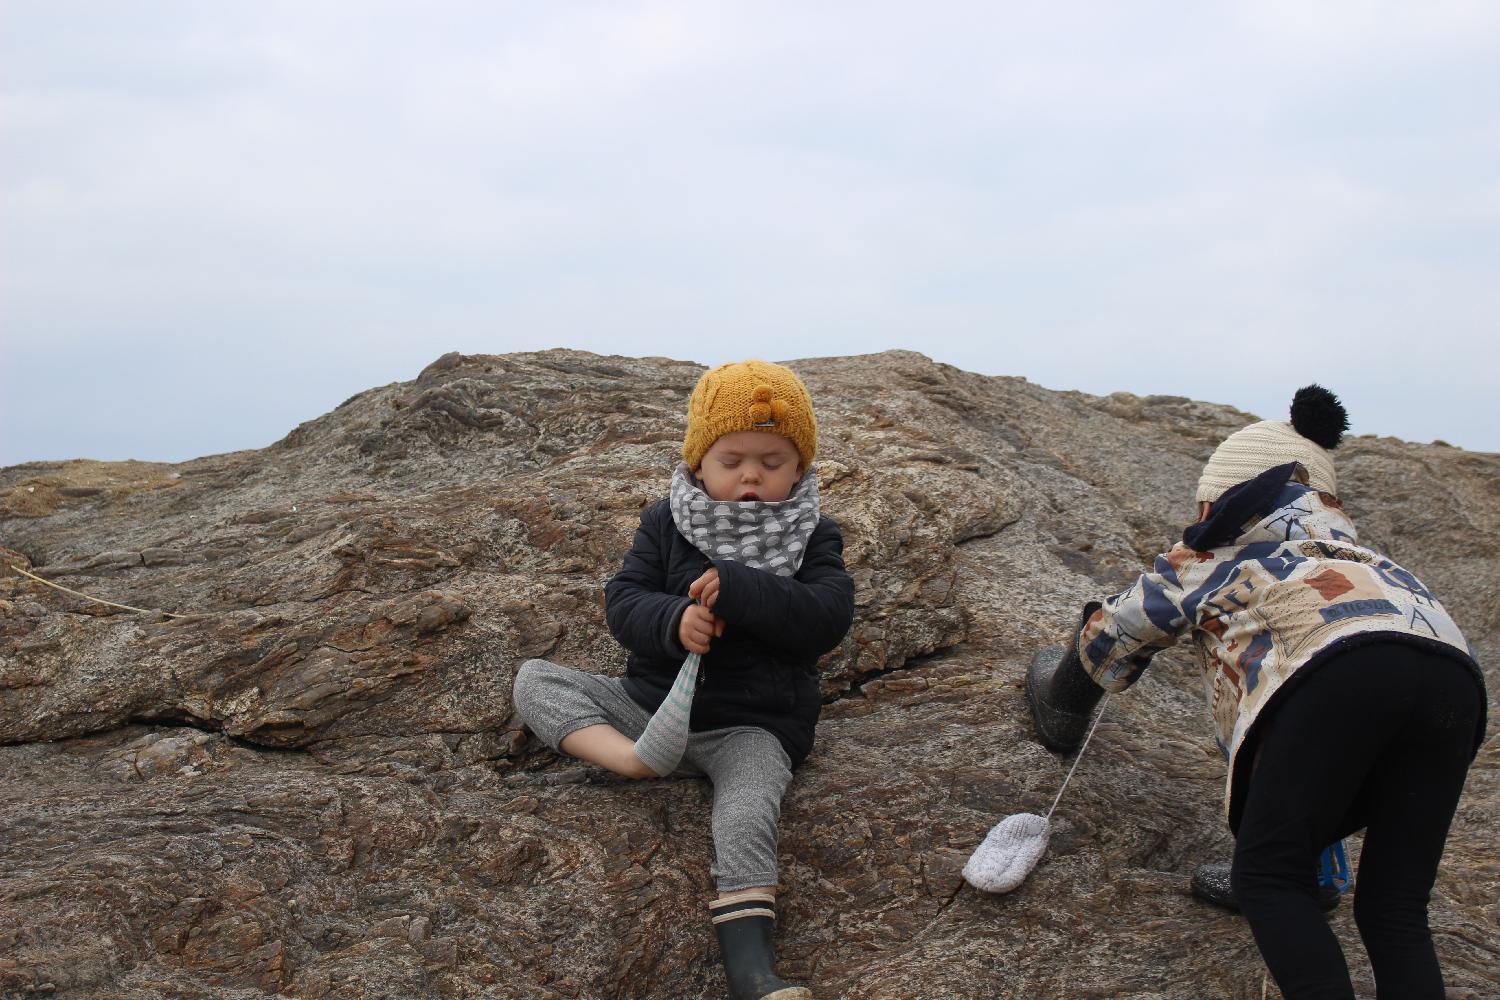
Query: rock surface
[(312, 784)]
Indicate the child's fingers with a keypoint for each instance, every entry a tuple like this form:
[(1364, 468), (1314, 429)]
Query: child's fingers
[(695, 589), (699, 625), (696, 629)]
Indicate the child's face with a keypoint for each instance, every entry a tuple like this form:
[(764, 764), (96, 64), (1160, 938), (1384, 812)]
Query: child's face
[(750, 465)]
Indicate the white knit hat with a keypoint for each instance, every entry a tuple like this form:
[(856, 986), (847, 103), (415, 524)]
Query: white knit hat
[(1252, 450)]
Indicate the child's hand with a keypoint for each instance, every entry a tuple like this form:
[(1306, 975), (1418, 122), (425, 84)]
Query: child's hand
[(705, 589), (698, 628)]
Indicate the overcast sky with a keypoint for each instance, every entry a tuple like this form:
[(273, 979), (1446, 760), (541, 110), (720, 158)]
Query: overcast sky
[(218, 220)]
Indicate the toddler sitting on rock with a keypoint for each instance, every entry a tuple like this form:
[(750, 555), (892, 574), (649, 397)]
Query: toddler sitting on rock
[(733, 587)]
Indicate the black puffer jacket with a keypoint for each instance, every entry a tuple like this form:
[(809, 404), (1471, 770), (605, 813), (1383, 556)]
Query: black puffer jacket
[(762, 670)]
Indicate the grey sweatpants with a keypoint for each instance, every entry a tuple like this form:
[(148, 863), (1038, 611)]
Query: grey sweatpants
[(747, 766)]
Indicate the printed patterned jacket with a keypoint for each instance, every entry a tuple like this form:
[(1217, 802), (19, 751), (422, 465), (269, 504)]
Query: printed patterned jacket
[(1265, 603)]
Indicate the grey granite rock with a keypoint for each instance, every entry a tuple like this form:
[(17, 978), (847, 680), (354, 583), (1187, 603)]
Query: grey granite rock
[(312, 785)]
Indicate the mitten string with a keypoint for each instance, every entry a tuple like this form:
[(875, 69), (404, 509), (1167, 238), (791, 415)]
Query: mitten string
[(1102, 705)]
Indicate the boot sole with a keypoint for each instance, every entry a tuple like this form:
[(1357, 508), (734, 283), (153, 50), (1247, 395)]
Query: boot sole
[(1328, 900), (790, 993)]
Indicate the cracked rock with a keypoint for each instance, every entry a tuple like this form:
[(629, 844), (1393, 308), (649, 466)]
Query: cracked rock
[(317, 786)]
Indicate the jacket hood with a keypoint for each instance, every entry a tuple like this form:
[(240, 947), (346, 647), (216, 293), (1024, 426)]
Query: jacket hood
[(1303, 512), (1275, 506)]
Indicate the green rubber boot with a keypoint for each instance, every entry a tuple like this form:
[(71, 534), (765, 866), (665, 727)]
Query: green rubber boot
[(744, 926)]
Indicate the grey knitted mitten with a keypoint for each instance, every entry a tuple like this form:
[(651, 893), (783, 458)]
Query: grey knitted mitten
[(1009, 853)]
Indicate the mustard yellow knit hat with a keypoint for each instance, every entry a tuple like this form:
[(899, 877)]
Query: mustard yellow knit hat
[(749, 396)]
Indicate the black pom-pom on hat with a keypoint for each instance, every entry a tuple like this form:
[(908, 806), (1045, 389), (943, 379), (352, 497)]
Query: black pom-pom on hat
[(1318, 416)]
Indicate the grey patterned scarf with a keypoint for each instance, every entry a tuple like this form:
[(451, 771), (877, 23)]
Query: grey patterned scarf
[(760, 534)]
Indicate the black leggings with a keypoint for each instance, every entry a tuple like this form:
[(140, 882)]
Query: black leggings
[(1379, 737)]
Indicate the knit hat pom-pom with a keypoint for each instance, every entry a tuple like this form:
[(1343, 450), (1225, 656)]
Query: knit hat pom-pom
[(1318, 416)]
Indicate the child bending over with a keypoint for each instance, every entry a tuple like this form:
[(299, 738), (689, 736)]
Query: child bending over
[(1343, 694)]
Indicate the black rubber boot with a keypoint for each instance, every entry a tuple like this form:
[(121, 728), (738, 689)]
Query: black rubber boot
[(744, 928), (1211, 884), (1060, 692)]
